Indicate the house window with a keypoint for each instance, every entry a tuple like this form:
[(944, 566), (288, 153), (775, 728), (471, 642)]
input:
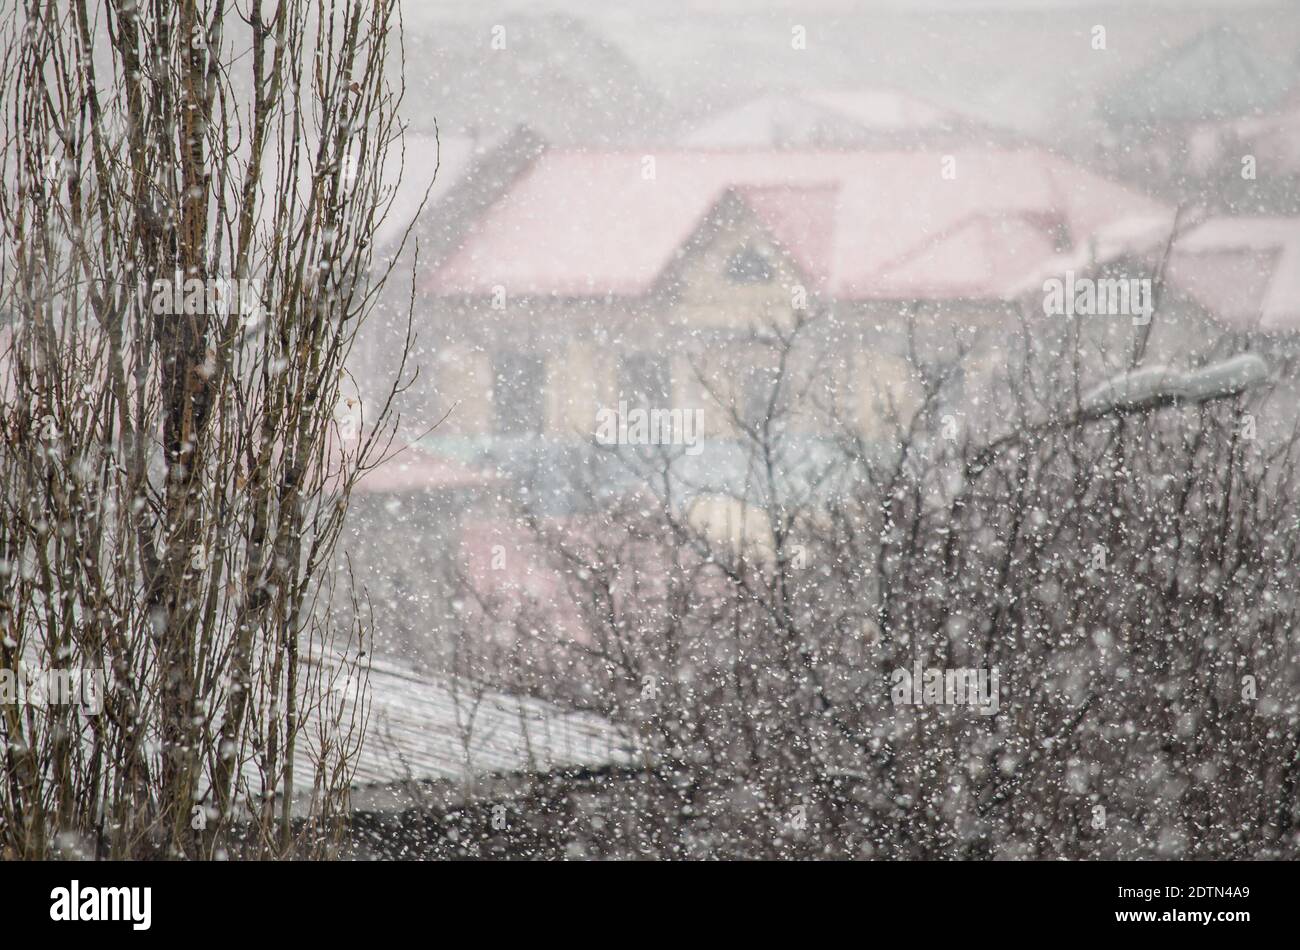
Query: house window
[(954, 396), (749, 266), (756, 395), (518, 392), (645, 379)]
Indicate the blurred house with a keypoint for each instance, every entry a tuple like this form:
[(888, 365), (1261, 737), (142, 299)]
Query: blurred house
[(1216, 75), (482, 76), (1216, 109), (607, 276), (405, 517), (443, 185)]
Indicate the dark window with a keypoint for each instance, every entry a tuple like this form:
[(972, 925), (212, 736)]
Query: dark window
[(749, 266), (518, 392), (646, 379)]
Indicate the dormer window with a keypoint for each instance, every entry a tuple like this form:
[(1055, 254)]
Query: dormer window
[(748, 265)]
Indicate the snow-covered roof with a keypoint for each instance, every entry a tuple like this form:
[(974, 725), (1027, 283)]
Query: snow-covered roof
[(423, 728)]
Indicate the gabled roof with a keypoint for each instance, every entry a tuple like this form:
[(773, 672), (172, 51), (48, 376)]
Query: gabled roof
[(873, 225), (1217, 74)]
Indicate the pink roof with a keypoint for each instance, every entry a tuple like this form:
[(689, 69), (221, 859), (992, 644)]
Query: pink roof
[(1246, 271), (800, 219), (882, 224)]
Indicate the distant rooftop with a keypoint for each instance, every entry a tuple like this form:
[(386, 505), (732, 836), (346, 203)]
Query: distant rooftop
[(1218, 74), (832, 118), (421, 729)]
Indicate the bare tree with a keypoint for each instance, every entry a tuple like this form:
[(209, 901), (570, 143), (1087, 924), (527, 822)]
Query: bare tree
[(1123, 557), (190, 194)]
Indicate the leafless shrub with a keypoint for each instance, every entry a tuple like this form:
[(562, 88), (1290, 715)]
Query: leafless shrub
[(1128, 570)]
